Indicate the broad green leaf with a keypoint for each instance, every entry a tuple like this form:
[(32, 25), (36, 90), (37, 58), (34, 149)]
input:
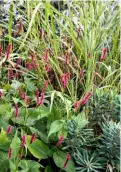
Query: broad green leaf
[(59, 158), (56, 126), (38, 149), (29, 165), (3, 137), (15, 145), (48, 169), (4, 108)]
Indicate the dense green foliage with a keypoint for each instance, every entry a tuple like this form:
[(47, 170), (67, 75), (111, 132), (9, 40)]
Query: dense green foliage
[(59, 89)]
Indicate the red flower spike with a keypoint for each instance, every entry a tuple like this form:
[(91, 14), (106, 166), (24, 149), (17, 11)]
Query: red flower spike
[(47, 67), (10, 153), (45, 85), (8, 51), (46, 56), (104, 53), (76, 105), (16, 111), (67, 57), (68, 157), (64, 79), (86, 98), (29, 66), (33, 138), (1, 50), (1, 93), (60, 141), (27, 100), (10, 74), (19, 60), (81, 73), (23, 141), (9, 129)]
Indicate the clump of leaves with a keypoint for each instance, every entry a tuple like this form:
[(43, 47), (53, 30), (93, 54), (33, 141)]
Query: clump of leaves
[(87, 161), (103, 106), (78, 134), (110, 143)]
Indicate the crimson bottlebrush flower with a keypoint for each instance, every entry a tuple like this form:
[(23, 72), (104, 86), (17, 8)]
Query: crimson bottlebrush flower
[(46, 56), (67, 57), (64, 79), (76, 104), (86, 98), (1, 93), (35, 64), (10, 153), (21, 94), (9, 129), (8, 51), (23, 141), (68, 157), (60, 141), (45, 85), (1, 50), (104, 53), (47, 67), (19, 60), (39, 99), (29, 66), (10, 74), (16, 111), (33, 138), (27, 100)]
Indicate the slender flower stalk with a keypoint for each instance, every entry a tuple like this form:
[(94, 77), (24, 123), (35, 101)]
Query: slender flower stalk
[(68, 157), (10, 153), (23, 141), (60, 141), (9, 129)]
